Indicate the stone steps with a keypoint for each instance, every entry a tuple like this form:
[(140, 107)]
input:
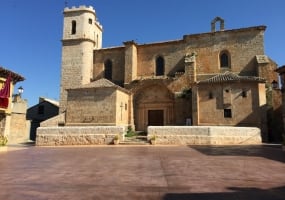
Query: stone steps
[(136, 140)]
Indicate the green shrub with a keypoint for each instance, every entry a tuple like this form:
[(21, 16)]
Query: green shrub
[(153, 137), (3, 140)]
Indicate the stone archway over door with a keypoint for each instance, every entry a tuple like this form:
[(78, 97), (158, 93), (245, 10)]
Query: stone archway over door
[(153, 105)]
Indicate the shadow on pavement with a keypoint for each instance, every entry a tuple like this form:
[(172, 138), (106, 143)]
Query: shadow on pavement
[(272, 152), (237, 193)]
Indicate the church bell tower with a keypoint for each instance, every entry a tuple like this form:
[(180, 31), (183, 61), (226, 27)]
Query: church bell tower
[(82, 33)]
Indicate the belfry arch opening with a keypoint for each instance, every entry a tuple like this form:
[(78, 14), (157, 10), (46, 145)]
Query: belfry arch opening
[(73, 27), (218, 20)]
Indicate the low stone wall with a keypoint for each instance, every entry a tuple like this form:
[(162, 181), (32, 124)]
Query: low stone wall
[(95, 135), (204, 135)]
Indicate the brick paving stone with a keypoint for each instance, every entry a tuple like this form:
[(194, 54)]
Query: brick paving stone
[(143, 172)]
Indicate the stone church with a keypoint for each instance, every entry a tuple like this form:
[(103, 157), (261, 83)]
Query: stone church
[(206, 79)]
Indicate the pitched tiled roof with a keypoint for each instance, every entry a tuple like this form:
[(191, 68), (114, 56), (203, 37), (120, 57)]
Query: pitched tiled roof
[(15, 77), (102, 83), (231, 77), (99, 83)]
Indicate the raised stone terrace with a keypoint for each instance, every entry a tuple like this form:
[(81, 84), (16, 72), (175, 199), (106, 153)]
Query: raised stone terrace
[(165, 135)]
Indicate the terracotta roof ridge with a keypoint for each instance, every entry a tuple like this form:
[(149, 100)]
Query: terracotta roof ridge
[(101, 83), (231, 77)]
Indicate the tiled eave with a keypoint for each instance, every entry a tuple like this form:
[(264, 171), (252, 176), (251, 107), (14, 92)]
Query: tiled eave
[(4, 73), (101, 83), (231, 77)]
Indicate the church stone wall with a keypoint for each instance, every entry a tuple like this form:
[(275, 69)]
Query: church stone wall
[(265, 70), (172, 52), (183, 111), (242, 45), (117, 57), (122, 108), (91, 107), (245, 111), (130, 61), (75, 69)]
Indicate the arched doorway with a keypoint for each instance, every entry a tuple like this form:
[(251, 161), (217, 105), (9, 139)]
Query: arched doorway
[(153, 106)]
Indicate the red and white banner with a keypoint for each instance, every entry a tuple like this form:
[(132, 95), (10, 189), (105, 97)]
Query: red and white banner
[(5, 93)]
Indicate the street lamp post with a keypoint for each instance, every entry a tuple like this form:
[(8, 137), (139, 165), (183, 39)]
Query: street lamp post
[(20, 91)]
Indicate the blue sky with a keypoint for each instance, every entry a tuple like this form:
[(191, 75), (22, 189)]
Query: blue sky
[(31, 30)]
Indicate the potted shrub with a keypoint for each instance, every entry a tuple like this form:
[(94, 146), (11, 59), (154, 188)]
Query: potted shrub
[(153, 139), (3, 142), (116, 139)]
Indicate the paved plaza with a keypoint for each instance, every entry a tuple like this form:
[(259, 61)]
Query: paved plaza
[(143, 172)]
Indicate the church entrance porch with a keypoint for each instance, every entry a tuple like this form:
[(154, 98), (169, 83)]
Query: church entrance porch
[(155, 118), (153, 106), (153, 114)]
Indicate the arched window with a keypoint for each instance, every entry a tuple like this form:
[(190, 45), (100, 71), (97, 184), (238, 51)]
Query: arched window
[(159, 69), (108, 69), (73, 28), (225, 59)]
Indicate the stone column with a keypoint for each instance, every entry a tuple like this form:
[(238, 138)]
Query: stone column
[(131, 113), (130, 61), (190, 67), (195, 106)]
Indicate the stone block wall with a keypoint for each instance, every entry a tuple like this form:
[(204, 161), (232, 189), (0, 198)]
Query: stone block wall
[(91, 106), (116, 56), (54, 121), (121, 110), (95, 135), (245, 108), (73, 67), (19, 129), (204, 135), (242, 44)]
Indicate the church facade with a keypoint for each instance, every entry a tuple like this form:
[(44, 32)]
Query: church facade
[(215, 78)]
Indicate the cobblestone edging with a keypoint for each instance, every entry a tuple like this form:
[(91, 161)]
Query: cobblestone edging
[(96, 135), (205, 135)]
